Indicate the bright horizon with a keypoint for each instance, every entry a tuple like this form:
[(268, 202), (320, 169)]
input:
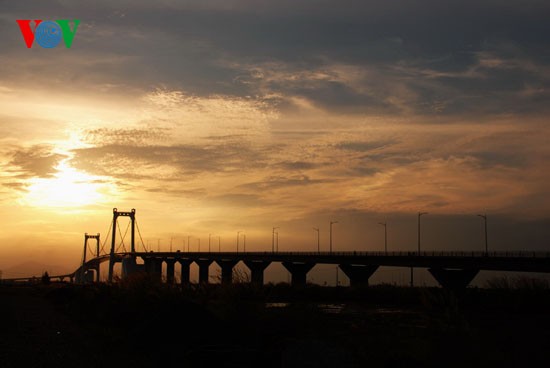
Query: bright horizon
[(230, 116)]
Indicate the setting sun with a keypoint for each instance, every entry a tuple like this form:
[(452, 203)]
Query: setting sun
[(67, 188)]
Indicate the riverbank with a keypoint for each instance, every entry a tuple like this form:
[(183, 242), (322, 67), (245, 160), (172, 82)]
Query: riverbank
[(140, 323)]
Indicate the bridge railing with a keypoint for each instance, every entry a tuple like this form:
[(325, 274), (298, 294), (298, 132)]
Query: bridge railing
[(500, 254), (512, 254)]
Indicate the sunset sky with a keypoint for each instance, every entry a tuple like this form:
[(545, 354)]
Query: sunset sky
[(213, 117)]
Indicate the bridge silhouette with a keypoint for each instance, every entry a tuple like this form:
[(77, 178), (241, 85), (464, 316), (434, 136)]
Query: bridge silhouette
[(452, 270)]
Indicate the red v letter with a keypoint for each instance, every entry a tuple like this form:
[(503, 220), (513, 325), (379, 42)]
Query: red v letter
[(28, 34)]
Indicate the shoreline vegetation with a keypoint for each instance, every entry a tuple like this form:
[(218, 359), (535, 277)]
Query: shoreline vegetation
[(141, 322)]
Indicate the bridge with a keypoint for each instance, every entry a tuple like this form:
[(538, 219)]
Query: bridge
[(451, 269)]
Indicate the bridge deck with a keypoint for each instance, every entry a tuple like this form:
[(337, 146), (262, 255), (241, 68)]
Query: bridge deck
[(520, 261)]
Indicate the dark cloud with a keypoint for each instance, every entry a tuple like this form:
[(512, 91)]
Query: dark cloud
[(361, 146), (104, 136), (398, 158), (183, 159), (424, 56), (35, 161), (506, 159), (179, 192), (236, 200), (333, 96), (298, 165), (365, 171), (276, 182), (15, 185)]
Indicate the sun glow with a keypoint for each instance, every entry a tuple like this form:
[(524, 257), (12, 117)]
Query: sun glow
[(67, 188)]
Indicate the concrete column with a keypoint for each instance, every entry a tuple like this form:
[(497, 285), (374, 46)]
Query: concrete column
[(453, 279), (148, 264), (129, 266), (111, 268), (79, 275), (153, 267), (298, 271), (185, 270), (170, 262), (227, 270), (89, 277), (204, 264), (358, 274), (257, 271)]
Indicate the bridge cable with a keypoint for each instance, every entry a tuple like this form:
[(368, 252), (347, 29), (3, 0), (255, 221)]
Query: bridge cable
[(92, 256), (124, 237), (121, 238), (106, 238), (82, 259), (88, 251), (139, 233)]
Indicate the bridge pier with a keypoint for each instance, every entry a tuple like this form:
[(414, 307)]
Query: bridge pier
[(153, 267), (298, 271), (227, 270), (79, 276), (185, 270), (170, 262), (257, 271), (89, 276), (204, 264), (358, 274), (129, 266), (111, 266), (452, 278), (84, 276)]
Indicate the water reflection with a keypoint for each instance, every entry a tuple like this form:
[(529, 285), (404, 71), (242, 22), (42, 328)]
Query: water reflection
[(276, 305), (341, 308), (331, 308)]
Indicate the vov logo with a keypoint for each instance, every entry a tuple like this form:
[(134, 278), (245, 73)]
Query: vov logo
[(48, 33)]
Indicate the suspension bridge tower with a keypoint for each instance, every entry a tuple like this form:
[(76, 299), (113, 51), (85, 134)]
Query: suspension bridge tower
[(116, 215), (84, 269)]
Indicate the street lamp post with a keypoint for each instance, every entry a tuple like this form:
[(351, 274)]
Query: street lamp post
[(318, 243), (238, 232), (188, 243), (277, 241), (484, 217), (199, 245), (244, 243), (209, 240), (332, 222), (219, 244), (412, 268), (385, 236), (420, 214), (273, 239)]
